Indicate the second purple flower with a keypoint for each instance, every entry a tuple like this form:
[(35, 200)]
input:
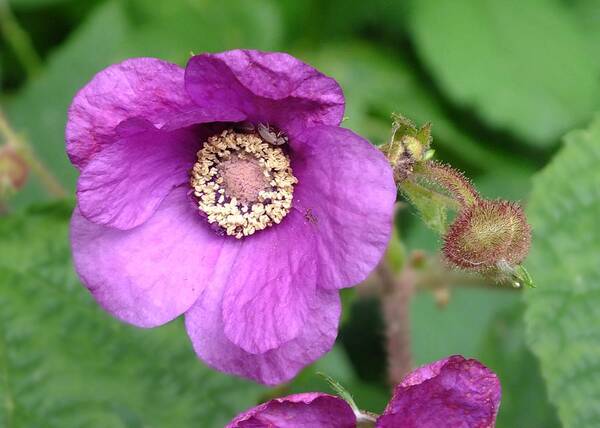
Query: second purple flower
[(226, 192)]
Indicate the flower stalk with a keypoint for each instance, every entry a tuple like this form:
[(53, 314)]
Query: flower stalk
[(396, 294)]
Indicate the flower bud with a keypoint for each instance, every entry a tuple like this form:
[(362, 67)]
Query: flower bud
[(488, 236), (407, 146), (13, 171)]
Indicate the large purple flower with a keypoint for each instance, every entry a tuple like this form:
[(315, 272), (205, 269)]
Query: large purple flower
[(226, 191), (450, 393)]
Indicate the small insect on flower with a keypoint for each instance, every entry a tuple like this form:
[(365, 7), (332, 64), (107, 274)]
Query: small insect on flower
[(271, 135), (310, 217)]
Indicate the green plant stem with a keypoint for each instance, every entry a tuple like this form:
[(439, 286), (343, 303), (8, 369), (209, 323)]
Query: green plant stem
[(46, 177), (19, 40)]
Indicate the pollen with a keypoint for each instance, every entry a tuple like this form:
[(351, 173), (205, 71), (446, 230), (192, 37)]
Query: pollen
[(242, 183)]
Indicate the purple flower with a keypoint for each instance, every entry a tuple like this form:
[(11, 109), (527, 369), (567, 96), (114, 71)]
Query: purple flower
[(226, 192), (450, 393)]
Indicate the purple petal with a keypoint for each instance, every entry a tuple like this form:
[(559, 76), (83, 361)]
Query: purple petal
[(271, 287), (149, 275), (140, 87), (346, 188), (454, 392), (314, 410), (267, 86), (204, 324), (123, 185)]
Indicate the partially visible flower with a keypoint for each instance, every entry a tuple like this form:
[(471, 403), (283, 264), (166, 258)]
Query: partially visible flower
[(226, 192), (451, 393), (310, 410)]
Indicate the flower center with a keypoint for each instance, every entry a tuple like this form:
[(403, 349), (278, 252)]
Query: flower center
[(242, 183)]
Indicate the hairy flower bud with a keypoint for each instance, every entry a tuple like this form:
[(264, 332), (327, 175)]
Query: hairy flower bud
[(13, 171), (408, 146), (488, 236)]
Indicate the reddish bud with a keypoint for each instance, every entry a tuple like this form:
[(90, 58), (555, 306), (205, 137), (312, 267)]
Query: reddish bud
[(487, 236), (13, 171)]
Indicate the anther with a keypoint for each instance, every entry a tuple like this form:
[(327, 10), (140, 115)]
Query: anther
[(242, 183)]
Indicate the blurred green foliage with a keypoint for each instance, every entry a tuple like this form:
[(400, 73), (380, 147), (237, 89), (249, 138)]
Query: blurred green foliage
[(501, 81), (563, 318)]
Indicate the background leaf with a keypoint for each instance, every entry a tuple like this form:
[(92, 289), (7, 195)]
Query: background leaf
[(66, 363), (524, 397), (563, 320), (513, 62)]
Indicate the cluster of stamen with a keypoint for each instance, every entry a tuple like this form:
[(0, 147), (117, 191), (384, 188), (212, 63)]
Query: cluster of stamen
[(242, 183)]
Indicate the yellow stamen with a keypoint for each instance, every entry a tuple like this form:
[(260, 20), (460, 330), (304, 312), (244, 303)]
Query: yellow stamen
[(242, 183)]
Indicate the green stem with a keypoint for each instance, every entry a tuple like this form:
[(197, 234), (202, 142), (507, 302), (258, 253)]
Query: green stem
[(19, 40), (47, 179)]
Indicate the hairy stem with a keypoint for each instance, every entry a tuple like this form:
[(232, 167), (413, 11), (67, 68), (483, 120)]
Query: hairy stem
[(19, 40), (47, 179), (396, 295), (449, 179)]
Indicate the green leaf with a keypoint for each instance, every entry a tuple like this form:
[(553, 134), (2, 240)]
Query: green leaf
[(523, 66), (31, 4), (588, 17), (562, 315), (431, 206), (377, 82), (524, 397), (66, 363), (173, 29)]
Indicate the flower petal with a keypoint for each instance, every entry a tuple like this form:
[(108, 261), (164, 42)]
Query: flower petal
[(272, 284), (453, 392), (346, 188), (204, 324), (149, 275), (267, 86), (122, 185), (139, 87), (312, 409)]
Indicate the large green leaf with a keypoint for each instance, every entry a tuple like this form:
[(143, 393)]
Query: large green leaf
[(65, 363), (524, 66), (588, 17), (173, 29), (524, 397), (31, 4), (377, 82), (562, 317)]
